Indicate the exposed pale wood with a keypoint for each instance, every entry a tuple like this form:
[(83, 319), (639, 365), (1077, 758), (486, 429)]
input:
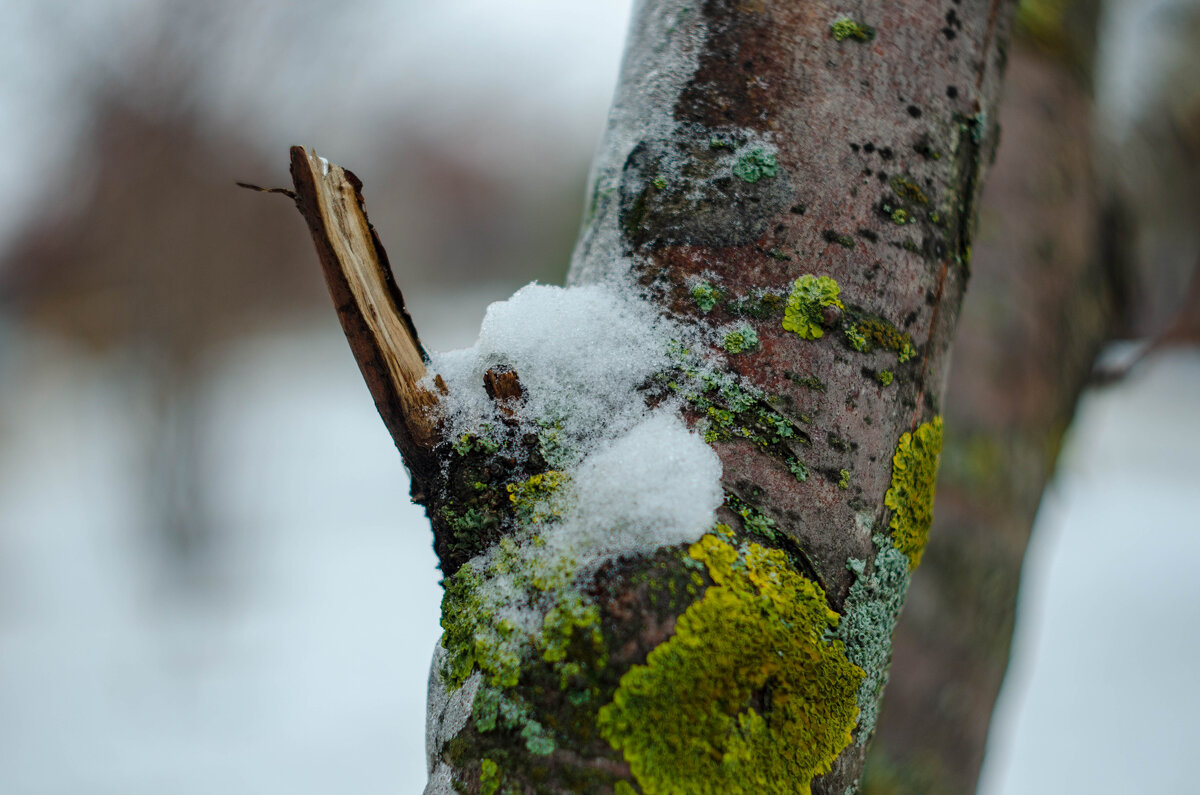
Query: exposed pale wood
[(369, 305)]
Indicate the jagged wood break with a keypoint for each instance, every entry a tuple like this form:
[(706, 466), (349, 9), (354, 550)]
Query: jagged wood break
[(369, 304)]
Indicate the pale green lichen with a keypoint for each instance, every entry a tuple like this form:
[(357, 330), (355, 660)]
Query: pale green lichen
[(495, 708), (705, 295), (553, 445), (900, 216), (846, 28), (752, 519), (885, 377), (757, 304), (798, 469), (480, 633), (867, 332), (871, 610), (733, 411), (844, 480), (855, 337), (469, 443), (810, 296), (749, 696), (743, 339), (908, 190), (914, 480), (754, 164)]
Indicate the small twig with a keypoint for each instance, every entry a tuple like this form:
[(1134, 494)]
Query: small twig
[(291, 194), (1184, 329)]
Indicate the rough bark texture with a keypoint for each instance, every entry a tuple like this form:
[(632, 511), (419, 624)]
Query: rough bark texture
[(1043, 299), (800, 187), (902, 122)]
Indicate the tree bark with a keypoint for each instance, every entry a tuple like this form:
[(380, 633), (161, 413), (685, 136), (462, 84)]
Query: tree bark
[(797, 187)]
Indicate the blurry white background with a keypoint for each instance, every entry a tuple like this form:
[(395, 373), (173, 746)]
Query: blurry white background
[(211, 577)]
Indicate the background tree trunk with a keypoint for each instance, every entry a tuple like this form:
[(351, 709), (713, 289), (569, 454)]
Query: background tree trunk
[(1044, 297)]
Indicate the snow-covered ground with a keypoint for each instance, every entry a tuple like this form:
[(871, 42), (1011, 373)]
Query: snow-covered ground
[(299, 664), (1102, 693)]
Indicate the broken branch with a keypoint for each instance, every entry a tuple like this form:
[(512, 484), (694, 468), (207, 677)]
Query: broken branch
[(369, 304)]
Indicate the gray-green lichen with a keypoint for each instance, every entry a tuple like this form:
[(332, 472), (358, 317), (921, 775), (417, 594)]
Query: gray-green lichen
[(739, 340), (754, 164), (867, 622), (705, 295)]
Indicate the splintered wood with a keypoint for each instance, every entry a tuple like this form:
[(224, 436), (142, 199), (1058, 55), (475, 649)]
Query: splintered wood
[(369, 305)]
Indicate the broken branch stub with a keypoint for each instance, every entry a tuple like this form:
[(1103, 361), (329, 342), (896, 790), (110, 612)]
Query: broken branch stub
[(370, 307)]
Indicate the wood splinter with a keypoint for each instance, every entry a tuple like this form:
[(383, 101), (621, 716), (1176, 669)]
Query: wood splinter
[(504, 388), (369, 305)]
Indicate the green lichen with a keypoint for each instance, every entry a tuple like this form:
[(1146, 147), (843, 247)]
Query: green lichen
[(471, 522), (624, 788), (497, 709), (914, 479), (752, 519), (569, 622), (705, 295), (900, 216), (844, 479), (469, 443), (871, 610), (489, 777), (885, 377), (779, 254), (732, 411), (855, 337), (845, 28), (744, 339), (832, 236), (908, 190), (660, 182), (749, 696), (808, 382), (867, 332), (552, 444), (534, 499), (798, 469), (755, 164), (760, 305), (480, 634), (810, 296)]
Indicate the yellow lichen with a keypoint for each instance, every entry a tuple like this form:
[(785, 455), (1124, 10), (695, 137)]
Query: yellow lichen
[(914, 480), (808, 300), (749, 695), (533, 498)]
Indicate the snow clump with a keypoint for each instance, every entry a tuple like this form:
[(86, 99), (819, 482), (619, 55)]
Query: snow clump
[(580, 355), (638, 477), (658, 484)]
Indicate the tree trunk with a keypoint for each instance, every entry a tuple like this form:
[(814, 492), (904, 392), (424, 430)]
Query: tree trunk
[(776, 248)]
